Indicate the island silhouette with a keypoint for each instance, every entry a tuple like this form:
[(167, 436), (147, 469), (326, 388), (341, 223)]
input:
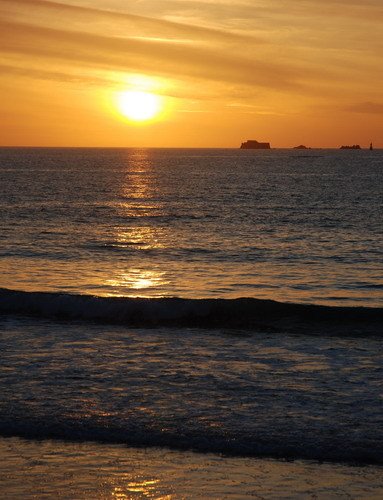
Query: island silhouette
[(253, 144)]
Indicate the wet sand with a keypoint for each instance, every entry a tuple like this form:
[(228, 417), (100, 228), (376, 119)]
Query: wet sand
[(57, 469)]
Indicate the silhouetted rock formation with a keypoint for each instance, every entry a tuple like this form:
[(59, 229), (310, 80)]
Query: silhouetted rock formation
[(301, 147), (255, 145), (355, 146)]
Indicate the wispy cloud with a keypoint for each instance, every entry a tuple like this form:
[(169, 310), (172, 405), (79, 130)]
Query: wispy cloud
[(34, 10), (292, 47), (14, 70), (366, 107), (149, 55)]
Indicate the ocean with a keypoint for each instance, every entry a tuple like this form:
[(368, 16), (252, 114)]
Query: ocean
[(293, 226), (209, 300)]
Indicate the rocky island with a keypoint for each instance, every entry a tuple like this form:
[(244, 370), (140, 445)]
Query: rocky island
[(301, 146), (252, 144)]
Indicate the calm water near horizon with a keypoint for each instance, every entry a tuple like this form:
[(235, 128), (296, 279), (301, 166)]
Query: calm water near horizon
[(288, 225), (303, 227)]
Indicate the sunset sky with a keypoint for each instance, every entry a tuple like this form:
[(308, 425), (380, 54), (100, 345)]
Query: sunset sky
[(286, 71)]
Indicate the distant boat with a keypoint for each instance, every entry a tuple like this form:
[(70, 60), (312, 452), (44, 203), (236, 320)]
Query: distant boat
[(355, 146), (252, 144)]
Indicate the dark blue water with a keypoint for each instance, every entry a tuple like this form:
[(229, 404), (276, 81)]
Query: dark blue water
[(240, 393)]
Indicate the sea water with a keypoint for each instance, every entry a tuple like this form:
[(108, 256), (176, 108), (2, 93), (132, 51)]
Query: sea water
[(141, 300), (284, 225)]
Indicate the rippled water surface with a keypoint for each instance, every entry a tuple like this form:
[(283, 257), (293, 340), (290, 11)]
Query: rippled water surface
[(271, 394), (286, 225), (257, 379), (82, 471)]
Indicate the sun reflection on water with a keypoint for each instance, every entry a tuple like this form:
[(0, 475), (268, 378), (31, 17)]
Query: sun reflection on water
[(147, 488), (139, 190), (139, 201), (138, 182), (138, 283), (142, 237)]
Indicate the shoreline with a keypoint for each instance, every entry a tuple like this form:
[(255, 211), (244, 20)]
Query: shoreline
[(47, 469)]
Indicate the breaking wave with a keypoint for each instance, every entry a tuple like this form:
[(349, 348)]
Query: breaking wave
[(269, 444), (243, 313)]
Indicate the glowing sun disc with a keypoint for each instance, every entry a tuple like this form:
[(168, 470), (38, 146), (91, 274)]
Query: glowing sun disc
[(139, 106)]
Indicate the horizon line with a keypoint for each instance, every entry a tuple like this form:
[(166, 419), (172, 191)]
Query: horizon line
[(308, 148)]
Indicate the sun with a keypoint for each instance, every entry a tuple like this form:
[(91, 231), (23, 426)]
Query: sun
[(138, 105)]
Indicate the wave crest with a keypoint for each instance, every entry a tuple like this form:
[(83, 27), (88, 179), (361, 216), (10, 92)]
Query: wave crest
[(243, 313)]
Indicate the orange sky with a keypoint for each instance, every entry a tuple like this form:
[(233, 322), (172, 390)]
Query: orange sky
[(284, 71)]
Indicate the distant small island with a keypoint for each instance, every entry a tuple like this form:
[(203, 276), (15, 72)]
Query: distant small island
[(252, 144)]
